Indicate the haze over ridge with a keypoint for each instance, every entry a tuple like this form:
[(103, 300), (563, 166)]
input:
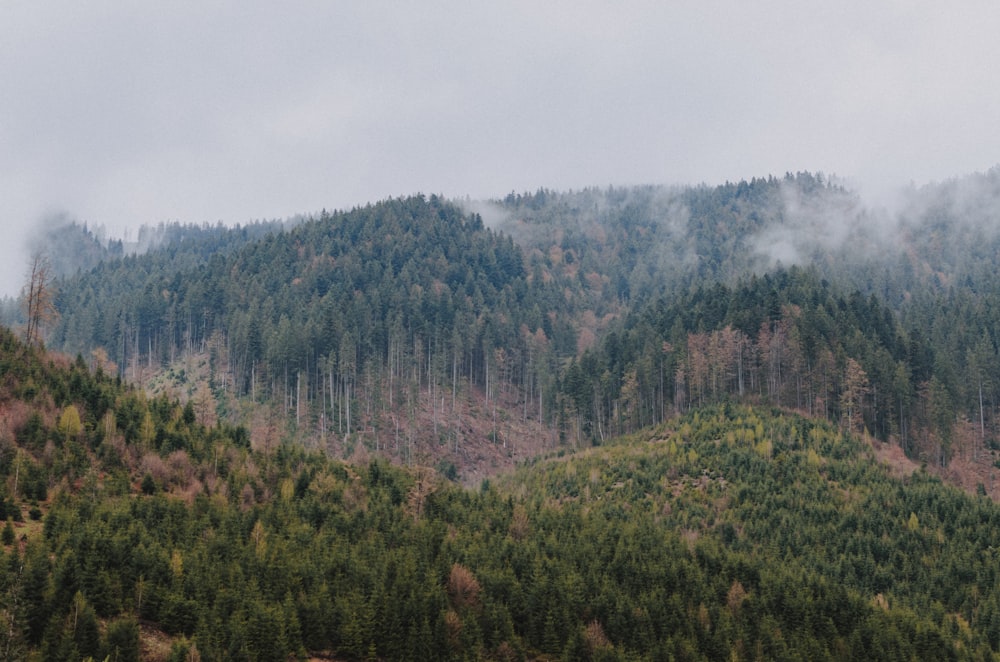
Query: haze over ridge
[(129, 116)]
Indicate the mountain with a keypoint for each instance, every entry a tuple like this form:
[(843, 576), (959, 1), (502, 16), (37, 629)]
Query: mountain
[(468, 334), (376, 327)]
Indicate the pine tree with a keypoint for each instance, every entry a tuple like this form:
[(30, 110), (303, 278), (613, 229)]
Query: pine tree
[(7, 537)]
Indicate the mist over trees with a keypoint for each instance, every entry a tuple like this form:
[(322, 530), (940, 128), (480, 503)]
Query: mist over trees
[(591, 312)]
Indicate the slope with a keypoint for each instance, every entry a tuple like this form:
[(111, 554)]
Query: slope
[(386, 328), (412, 328)]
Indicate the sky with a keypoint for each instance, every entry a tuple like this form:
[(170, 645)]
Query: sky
[(120, 114)]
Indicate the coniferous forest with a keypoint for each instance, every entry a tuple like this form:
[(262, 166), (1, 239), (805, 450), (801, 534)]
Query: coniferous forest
[(752, 421)]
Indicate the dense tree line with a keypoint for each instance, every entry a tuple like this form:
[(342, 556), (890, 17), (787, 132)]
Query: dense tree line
[(631, 244), (345, 316), (339, 319), (354, 323), (735, 479), (897, 335), (790, 339)]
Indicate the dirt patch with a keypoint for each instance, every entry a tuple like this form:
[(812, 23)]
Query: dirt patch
[(154, 644), (893, 457), (971, 466)]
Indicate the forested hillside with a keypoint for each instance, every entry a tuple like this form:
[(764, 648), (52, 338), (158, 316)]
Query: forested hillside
[(371, 325), (135, 530), (890, 327), (432, 331), (785, 338)]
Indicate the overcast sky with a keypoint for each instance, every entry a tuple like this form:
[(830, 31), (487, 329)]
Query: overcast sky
[(124, 113)]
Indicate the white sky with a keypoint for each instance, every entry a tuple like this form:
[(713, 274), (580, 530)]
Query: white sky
[(124, 113)]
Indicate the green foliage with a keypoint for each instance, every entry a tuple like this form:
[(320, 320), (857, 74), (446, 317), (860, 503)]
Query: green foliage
[(413, 292), (122, 640), (788, 339), (7, 537), (69, 423), (685, 541)]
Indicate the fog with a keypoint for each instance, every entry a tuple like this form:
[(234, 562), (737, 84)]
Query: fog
[(123, 115)]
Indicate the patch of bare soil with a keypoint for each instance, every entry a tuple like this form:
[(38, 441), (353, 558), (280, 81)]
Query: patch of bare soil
[(154, 644), (971, 466), (478, 437), (893, 456), (973, 476)]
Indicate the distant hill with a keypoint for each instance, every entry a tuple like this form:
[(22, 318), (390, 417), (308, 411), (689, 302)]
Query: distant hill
[(422, 328)]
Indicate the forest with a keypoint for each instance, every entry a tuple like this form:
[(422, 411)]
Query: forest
[(414, 328), (136, 532), (622, 423)]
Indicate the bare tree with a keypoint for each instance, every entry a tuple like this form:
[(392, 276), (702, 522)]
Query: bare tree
[(855, 390), (38, 298)]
